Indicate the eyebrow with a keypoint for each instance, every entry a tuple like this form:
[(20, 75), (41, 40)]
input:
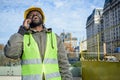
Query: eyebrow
[(32, 11)]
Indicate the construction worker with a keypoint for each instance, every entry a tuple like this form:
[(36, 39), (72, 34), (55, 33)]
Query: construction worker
[(41, 51)]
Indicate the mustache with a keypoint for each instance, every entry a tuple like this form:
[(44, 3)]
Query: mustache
[(36, 15), (35, 24)]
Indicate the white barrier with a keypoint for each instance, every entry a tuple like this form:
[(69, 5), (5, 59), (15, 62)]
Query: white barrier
[(10, 71)]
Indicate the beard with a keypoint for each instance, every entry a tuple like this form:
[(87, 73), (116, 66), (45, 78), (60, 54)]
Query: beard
[(36, 23)]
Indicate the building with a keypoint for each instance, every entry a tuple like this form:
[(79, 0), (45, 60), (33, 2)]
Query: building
[(83, 46), (93, 29), (1, 49), (111, 22), (1, 46), (70, 42)]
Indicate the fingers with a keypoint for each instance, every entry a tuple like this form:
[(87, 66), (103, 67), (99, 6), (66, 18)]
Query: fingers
[(26, 23)]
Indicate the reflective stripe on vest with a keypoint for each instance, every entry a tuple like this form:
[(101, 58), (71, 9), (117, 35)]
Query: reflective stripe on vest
[(32, 77), (32, 65)]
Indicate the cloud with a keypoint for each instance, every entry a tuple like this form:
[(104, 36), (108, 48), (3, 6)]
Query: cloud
[(68, 15), (58, 4)]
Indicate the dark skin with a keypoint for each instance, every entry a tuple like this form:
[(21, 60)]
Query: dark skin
[(36, 18)]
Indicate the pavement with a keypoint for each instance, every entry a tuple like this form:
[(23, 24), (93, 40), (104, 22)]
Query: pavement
[(19, 78), (10, 78)]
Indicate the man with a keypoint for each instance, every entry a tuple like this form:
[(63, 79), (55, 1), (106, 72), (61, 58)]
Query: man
[(42, 53)]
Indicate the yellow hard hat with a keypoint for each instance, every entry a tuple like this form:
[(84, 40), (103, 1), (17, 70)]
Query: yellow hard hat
[(32, 9)]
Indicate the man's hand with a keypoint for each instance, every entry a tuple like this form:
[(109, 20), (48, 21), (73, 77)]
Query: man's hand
[(26, 23)]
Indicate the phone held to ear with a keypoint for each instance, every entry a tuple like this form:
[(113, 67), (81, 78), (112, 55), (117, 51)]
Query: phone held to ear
[(26, 23)]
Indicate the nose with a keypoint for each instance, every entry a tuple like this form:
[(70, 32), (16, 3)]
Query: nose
[(34, 16)]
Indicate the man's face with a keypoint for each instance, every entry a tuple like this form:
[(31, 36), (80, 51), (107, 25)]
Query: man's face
[(36, 18)]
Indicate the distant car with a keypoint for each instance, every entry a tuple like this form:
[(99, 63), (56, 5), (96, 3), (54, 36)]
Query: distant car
[(117, 50), (111, 59)]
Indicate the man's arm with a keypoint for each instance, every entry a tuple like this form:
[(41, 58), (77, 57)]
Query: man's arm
[(63, 61), (14, 47)]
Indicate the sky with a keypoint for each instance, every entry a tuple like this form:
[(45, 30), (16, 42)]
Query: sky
[(61, 15)]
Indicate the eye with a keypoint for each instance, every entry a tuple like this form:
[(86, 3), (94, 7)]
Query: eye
[(38, 14), (30, 15)]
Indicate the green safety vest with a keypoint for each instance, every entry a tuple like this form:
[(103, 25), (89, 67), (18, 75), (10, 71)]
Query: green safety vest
[(32, 66)]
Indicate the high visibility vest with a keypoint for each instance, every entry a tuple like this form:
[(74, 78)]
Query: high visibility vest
[(33, 67)]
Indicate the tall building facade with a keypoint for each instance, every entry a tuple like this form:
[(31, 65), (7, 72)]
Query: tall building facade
[(94, 27), (111, 23)]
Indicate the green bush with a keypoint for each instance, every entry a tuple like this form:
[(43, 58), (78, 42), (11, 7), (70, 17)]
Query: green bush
[(76, 64)]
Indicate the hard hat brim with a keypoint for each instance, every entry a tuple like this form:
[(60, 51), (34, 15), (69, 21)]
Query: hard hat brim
[(34, 9)]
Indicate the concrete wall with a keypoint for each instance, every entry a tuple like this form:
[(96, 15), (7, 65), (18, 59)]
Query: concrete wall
[(10, 71)]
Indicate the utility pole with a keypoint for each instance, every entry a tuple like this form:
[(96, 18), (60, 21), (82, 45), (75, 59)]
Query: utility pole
[(98, 47)]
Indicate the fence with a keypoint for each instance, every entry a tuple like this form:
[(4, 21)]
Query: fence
[(94, 56), (100, 70), (95, 67)]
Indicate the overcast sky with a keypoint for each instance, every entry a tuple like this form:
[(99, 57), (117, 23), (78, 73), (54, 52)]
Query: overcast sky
[(67, 15)]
